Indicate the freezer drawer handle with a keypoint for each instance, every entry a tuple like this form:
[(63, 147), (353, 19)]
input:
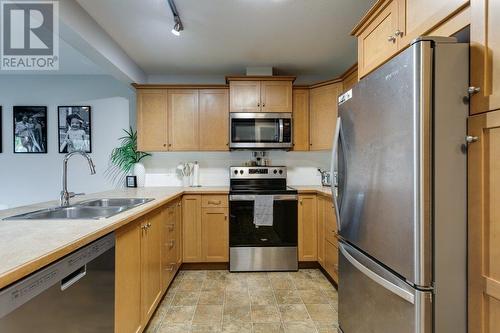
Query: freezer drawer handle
[(379, 280)]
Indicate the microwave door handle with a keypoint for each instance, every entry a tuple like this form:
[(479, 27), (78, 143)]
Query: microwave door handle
[(334, 173), (281, 130)]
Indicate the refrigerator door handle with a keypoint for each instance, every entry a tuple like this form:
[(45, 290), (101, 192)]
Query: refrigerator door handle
[(404, 294), (334, 173)]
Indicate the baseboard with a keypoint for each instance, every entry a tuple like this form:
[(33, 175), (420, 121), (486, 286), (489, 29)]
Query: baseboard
[(325, 273), (308, 265), (191, 266)]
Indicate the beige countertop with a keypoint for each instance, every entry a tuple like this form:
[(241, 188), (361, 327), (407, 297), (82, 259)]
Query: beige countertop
[(28, 245)]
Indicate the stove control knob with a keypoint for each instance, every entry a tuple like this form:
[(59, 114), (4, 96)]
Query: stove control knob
[(235, 172), (241, 172), (281, 172), (275, 171)]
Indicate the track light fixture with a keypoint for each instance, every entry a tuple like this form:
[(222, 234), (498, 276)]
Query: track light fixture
[(178, 27)]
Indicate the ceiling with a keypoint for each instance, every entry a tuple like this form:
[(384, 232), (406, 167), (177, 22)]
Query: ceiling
[(307, 38)]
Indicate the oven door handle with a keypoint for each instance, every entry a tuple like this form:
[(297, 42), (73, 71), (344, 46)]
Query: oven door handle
[(251, 197)]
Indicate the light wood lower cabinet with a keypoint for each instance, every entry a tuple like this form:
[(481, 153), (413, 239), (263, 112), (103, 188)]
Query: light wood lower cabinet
[(171, 243), (332, 260), (151, 290), (307, 238), (484, 223), (191, 227), (128, 278), (205, 228), (321, 229), (215, 234)]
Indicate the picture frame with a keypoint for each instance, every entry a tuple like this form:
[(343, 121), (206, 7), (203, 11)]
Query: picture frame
[(74, 128), (131, 181), (30, 129)]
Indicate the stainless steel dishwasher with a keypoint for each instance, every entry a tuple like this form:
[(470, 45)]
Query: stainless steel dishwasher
[(73, 295)]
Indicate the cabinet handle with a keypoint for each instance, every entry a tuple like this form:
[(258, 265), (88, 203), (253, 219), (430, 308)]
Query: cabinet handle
[(391, 39), (172, 243), (263, 104), (300, 201), (473, 90), (398, 33), (225, 217), (170, 145), (258, 104), (164, 145), (171, 227)]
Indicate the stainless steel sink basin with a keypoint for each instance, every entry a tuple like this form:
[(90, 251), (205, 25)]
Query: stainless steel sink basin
[(93, 210), (71, 212), (115, 202)]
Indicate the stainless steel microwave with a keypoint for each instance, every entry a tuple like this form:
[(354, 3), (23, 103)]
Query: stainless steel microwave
[(260, 131)]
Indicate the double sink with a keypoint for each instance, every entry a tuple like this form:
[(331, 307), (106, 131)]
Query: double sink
[(92, 209)]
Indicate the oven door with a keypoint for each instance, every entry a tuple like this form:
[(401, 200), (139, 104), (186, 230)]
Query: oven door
[(244, 233), (261, 130)]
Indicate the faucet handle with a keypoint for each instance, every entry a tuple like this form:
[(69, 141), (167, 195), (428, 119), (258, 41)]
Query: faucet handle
[(73, 194)]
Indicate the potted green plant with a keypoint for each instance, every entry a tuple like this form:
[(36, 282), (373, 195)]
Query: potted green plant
[(126, 159)]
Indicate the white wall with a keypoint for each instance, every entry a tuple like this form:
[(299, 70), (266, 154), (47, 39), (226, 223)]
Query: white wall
[(302, 167), (31, 178)]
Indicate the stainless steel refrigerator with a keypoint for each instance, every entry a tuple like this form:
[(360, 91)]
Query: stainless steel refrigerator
[(400, 164)]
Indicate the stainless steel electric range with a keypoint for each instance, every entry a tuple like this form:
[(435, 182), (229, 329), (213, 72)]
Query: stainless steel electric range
[(254, 247)]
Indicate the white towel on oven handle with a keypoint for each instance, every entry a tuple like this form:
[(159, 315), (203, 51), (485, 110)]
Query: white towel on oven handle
[(263, 210)]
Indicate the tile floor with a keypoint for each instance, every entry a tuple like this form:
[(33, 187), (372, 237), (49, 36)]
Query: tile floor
[(219, 301)]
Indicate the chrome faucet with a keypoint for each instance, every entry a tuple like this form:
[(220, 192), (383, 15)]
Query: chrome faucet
[(65, 195)]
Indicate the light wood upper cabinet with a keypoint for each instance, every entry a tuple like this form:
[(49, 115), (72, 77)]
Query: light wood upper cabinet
[(152, 120), (484, 223), (260, 94), (215, 231), (214, 119), (376, 41), (128, 279), (485, 55), (183, 119), (307, 240), (191, 227), (300, 119), (420, 16), (276, 96), (244, 96), (391, 25), (323, 115), (151, 287)]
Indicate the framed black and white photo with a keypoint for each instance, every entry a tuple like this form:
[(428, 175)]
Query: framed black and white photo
[(131, 181), (74, 129), (30, 129)]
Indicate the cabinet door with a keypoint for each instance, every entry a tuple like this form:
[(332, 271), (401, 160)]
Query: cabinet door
[(330, 223), (307, 228), (300, 119), (214, 119), (321, 230), (323, 116), (151, 264), (332, 261), (375, 45), (215, 231), (183, 119), (485, 55), (191, 228), (276, 96), (484, 223), (128, 279), (152, 120), (419, 16), (244, 96)]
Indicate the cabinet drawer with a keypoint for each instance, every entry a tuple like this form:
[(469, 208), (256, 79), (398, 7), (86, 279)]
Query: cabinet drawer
[(332, 260), (214, 201)]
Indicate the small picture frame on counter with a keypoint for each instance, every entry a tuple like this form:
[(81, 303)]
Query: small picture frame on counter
[(131, 181)]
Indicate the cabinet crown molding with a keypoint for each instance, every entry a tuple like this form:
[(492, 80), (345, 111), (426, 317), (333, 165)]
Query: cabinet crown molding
[(260, 78)]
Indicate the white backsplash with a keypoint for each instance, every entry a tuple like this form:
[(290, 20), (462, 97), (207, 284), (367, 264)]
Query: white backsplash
[(214, 166)]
